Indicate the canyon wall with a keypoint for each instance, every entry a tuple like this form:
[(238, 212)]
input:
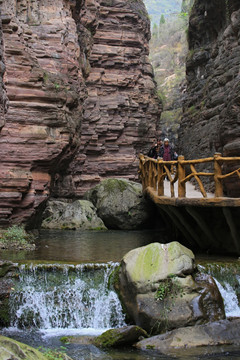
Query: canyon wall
[(82, 100), (211, 120), (121, 109)]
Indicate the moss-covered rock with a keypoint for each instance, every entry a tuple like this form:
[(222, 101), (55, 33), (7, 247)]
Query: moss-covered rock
[(121, 205), (147, 265), (126, 335), (160, 289), (11, 349), (81, 214)]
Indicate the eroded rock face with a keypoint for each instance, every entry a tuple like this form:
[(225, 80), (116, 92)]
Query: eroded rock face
[(44, 84), (159, 290), (3, 96), (121, 110), (76, 74), (211, 108)]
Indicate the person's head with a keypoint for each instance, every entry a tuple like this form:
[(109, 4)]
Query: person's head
[(159, 142), (166, 142)]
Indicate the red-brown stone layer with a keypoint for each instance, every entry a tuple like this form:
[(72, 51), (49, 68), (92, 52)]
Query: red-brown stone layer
[(81, 98)]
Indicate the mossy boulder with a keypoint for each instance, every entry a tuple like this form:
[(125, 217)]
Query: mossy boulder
[(160, 289), (121, 204), (126, 335), (11, 349), (147, 265), (80, 214)]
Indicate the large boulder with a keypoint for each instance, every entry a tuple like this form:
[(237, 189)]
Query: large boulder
[(81, 214), (11, 349), (223, 332), (160, 289), (121, 204)]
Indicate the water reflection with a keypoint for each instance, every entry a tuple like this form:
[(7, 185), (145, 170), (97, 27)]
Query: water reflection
[(85, 246)]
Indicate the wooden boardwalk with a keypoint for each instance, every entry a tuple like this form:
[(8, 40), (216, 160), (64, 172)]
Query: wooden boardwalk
[(206, 221)]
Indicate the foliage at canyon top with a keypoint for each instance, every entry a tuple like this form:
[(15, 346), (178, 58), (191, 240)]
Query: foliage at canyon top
[(156, 8), (168, 51)]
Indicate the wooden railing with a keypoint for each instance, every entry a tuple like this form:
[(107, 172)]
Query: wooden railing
[(152, 173)]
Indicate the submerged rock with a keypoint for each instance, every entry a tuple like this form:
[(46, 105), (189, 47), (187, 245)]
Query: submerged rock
[(11, 349), (121, 204), (222, 332), (81, 214), (161, 289), (126, 335)]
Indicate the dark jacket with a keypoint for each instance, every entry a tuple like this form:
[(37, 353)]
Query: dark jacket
[(153, 152), (162, 150)]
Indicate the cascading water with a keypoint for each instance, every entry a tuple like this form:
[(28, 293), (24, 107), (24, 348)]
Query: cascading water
[(73, 298), (227, 278)]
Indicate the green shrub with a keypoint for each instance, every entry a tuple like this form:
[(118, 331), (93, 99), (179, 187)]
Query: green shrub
[(16, 236)]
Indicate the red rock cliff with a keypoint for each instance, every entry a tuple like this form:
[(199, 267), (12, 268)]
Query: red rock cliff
[(81, 98)]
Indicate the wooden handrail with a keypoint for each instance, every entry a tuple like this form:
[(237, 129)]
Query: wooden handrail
[(153, 172)]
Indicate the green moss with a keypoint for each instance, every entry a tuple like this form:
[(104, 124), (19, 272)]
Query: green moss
[(147, 262), (113, 280), (150, 347), (115, 184), (66, 339), (5, 268), (107, 339)]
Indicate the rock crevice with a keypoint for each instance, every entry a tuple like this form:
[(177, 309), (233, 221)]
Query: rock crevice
[(211, 107)]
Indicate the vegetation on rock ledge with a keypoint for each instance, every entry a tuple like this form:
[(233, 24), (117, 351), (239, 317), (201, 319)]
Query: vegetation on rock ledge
[(16, 237)]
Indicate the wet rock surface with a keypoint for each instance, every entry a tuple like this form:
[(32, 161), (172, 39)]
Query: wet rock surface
[(81, 95), (124, 336), (121, 204), (160, 290), (7, 273), (219, 333), (211, 107)]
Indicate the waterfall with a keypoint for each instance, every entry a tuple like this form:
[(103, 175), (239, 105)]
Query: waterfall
[(227, 278), (51, 297)]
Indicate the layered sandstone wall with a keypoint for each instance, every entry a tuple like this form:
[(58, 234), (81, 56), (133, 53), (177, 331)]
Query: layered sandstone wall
[(81, 98), (121, 109), (211, 120), (45, 87), (3, 95)]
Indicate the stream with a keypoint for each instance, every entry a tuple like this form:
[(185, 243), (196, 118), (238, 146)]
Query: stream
[(64, 288)]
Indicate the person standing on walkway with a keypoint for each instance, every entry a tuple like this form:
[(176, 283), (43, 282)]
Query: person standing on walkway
[(166, 152), (154, 151)]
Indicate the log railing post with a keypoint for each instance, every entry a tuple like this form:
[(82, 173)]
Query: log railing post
[(217, 173), (149, 172), (150, 169), (160, 178), (154, 179), (181, 176)]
